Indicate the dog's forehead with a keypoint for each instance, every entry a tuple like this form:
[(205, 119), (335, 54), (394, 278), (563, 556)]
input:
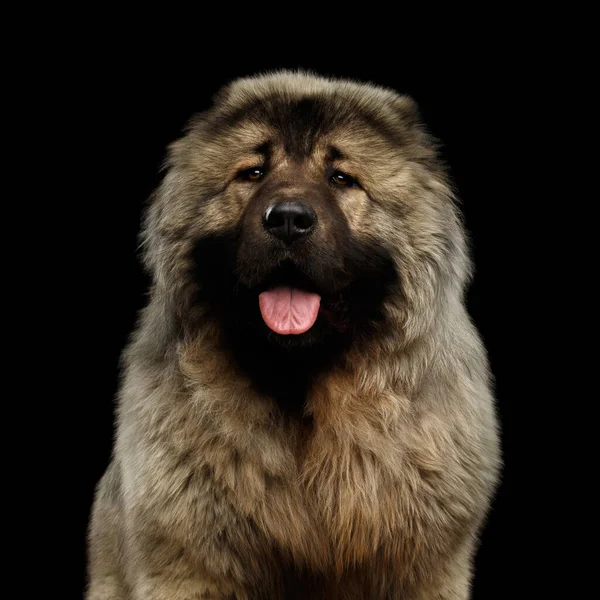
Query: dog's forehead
[(300, 123)]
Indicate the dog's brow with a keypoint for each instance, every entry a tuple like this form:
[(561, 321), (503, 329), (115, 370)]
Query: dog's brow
[(264, 149), (334, 154)]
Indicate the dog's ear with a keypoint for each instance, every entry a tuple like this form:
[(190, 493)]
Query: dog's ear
[(408, 111), (415, 134), (150, 237), (149, 245)]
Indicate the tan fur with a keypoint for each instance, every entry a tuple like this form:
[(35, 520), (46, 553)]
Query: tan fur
[(212, 491)]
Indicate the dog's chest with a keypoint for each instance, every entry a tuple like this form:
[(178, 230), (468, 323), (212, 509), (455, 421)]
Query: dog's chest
[(341, 490), (345, 498)]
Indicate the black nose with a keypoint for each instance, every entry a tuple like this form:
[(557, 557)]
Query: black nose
[(289, 221)]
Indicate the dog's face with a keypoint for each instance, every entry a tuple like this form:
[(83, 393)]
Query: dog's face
[(301, 214), (290, 263)]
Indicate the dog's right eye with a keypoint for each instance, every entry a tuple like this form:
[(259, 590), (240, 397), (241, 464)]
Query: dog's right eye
[(252, 174)]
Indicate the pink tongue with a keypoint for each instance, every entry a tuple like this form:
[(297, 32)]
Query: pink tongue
[(289, 311)]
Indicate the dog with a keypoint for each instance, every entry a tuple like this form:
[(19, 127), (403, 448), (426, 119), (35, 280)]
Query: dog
[(306, 408)]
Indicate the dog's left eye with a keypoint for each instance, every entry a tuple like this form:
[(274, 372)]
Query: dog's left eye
[(252, 174), (342, 179)]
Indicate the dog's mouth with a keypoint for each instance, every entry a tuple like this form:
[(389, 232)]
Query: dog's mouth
[(289, 310), (290, 302)]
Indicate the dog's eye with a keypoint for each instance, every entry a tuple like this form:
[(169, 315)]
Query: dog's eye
[(342, 179), (253, 174)]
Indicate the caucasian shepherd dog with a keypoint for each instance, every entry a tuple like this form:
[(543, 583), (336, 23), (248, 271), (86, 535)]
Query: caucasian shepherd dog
[(306, 408)]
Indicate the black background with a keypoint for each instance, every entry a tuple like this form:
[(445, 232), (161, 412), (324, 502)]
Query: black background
[(119, 114)]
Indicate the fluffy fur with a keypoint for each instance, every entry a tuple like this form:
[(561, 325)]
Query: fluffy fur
[(355, 461)]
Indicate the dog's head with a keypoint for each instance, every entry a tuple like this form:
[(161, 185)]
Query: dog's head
[(301, 213)]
